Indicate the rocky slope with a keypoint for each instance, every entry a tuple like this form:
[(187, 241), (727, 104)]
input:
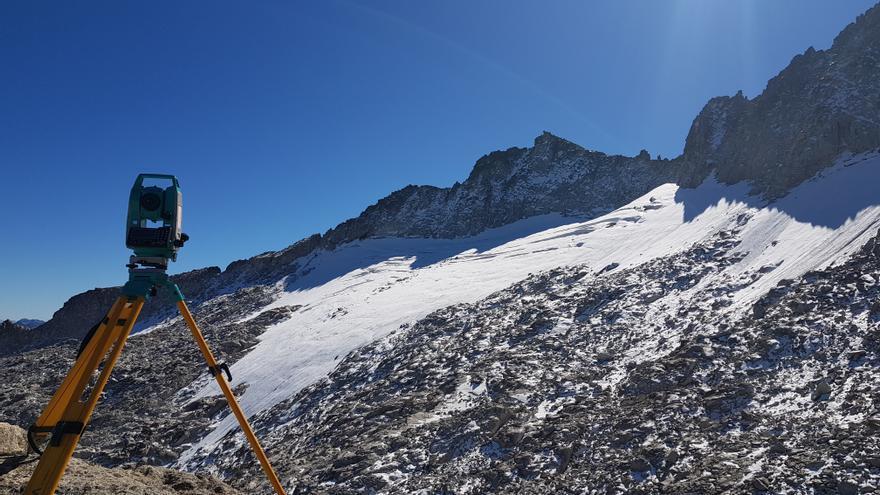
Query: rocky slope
[(632, 381), (139, 419)]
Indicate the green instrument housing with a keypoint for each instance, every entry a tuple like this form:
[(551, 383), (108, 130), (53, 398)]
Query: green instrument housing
[(152, 229)]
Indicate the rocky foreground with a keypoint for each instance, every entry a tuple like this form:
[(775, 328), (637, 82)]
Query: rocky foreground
[(85, 478)]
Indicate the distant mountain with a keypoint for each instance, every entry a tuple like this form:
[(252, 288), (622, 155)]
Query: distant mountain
[(29, 323), (13, 336), (71, 322)]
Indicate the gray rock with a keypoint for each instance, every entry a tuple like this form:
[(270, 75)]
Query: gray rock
[(640, 464), (821, 391)]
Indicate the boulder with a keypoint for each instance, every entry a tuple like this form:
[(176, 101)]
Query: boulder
[(822, 391), (13, 440)]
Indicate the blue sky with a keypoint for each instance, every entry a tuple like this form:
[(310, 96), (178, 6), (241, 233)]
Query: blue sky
[(282, 119)]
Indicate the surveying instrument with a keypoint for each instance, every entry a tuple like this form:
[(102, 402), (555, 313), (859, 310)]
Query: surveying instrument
[(152, 231)]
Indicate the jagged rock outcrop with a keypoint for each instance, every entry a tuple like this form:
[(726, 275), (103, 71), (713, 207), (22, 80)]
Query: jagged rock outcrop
[(555, 175), (824, 104)]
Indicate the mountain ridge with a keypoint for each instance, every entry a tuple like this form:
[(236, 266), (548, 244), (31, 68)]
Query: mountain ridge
[(699, 159)]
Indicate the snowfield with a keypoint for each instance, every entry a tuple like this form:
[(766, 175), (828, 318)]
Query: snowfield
[(364, 290)]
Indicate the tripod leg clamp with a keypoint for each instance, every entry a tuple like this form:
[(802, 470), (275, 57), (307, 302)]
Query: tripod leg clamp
[(65, 428), (32, 429), (58, 431), (220, 367)]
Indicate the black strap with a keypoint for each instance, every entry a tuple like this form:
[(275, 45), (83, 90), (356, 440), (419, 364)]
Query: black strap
[(58, 431), (33, 441), (220, 367), (89, 335), (65, 428)]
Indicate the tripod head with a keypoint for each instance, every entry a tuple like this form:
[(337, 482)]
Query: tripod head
[(152, 229)]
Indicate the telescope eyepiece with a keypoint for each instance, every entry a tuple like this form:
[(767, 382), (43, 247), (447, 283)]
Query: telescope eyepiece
[(150, 201)]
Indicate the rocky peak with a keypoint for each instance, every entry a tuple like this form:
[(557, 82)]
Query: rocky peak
[(500, 163), (863, 33), (709, 129), (555, 175), (547, 143), (824, 104)]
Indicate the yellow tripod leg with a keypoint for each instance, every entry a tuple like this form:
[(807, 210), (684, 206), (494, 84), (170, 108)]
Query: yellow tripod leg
[(67, 413), (230, 398), (52, 413)]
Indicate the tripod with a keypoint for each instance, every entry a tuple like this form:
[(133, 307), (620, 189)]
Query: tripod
[(68, 413)]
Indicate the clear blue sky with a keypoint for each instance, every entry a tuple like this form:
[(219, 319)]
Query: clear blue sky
[(283, 118)]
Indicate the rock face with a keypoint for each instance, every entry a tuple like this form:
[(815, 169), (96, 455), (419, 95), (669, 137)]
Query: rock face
[(823, 104), (554, 175)]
